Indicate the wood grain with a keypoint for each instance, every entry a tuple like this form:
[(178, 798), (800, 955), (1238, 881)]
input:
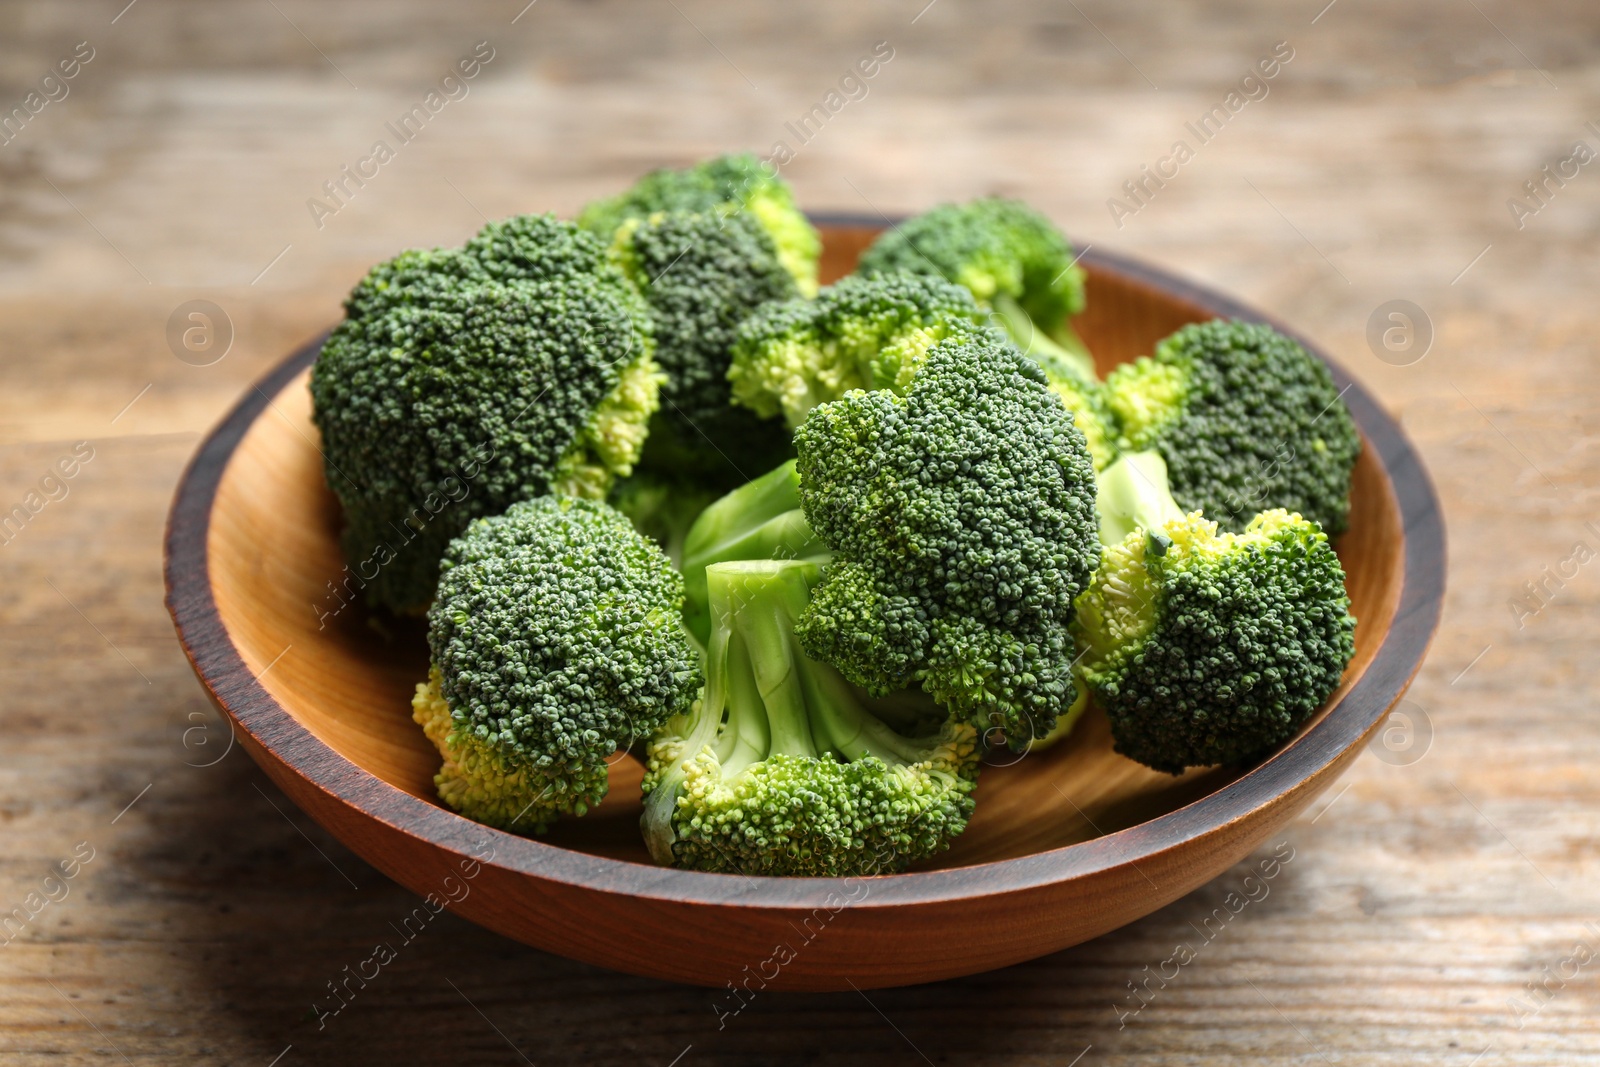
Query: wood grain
[(1417, 905)]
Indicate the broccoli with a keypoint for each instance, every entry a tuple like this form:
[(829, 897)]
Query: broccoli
[(780, 768), (1207, 647), (726, 185), (1086, 399), (556, 640), (760, 520), (450, 393), (1012, 258), (860, 333), (961, 518), (701, 276), (1246, 419)]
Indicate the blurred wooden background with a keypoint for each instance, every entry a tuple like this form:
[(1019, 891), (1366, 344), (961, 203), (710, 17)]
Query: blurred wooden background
[(1447, 874)]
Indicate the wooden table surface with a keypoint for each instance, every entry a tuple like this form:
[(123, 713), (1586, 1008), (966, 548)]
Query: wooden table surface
[(1440, 906)]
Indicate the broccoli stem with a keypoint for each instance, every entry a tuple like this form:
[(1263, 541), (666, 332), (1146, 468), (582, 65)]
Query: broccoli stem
[(761, 520), (1133, 494), (1060, 346)]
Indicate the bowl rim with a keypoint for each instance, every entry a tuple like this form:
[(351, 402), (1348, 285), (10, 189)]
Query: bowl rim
[(235, 689)]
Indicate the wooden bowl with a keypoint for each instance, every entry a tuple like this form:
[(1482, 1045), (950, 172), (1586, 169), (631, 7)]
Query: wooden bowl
[(1064, 846)]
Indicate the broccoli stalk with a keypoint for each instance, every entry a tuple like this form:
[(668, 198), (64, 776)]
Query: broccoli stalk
[(1060, 346), (759, 520), (781, 769), (1133, 495)]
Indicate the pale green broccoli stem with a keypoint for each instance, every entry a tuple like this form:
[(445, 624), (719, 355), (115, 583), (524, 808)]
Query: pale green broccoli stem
[(1062, 344), (755, 604), (1133, 494), (809, 707), (755, 673), (761, 520)]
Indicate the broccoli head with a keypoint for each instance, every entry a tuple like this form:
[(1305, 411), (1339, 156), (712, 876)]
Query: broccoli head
[(1207, 647), (780, 768), (702, 275), (1013, 260), (961, 518), (1246, 419), (860, 333), (446, 396), (556, 640), (726, 185)]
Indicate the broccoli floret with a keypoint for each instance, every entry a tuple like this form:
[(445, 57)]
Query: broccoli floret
[(760, 520), (1012, 258), (726, 185), (1207, 647), (556, 640), (860, 333), (1247, 421), (702, 275), (780, 769), (961, 517), (413, 276), (447, 395)]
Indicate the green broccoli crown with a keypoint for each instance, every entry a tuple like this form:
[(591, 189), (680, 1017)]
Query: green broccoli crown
[(556, 640), (801, 778), (436, 410), (1247, 420), (962, 520), (1209, 648), (414, 276), (524, 248), (702, 275), (859, 333), (1012, 258), (726, 185)]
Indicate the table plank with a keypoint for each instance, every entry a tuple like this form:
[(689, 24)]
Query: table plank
[(1423, 898)]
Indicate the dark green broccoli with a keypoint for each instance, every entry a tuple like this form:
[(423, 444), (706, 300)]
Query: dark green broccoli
[(726, 185), (961, 517), (781, 769), (1013, 260), (859, 333), (413, 276), (524, 248), (556, 640), (1205, 647), (702, 275), (446, 398), (1246, 419)]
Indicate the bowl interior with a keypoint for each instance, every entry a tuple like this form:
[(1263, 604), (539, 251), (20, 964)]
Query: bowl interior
[(347, 675)]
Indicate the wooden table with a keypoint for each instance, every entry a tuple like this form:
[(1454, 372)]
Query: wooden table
[(1427, 891)]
